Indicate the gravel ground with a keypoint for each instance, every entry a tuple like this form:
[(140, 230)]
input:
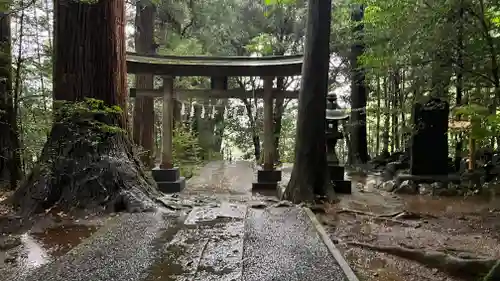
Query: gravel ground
[(282, 244)]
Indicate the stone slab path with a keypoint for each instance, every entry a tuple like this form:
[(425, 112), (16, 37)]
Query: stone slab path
[(223, 178), (213, 231)]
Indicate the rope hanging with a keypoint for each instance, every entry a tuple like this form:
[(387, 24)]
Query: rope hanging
[(188, 109)]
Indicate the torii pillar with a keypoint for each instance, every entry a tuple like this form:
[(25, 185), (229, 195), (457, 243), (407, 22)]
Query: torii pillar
[(268, 177), (167, 176)]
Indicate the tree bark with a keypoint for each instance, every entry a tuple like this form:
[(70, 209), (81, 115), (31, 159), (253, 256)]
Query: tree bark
[(459, 139), (387, 114), (359, 145), (252, 120), (10, 158), (309, 173), (143, 126), (83, 165), (395, 108), (377, 122)]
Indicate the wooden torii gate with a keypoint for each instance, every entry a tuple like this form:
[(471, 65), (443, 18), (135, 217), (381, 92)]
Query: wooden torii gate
[(219, 69)]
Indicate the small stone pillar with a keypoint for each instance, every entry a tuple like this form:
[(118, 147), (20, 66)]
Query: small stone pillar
[(336, 172), (268, 177), (167, 176)]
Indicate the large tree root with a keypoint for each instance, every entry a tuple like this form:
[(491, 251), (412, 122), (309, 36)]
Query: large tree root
[(394, 218), (469, 268), (81, 167), (397, 215), (494, 273), (299, 188)]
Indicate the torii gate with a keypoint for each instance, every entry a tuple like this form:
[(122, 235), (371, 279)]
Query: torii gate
[(219, 69)]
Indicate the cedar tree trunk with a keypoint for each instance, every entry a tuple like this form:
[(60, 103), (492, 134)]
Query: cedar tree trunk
[(10, 160), (359, 146), (143, 129), (82, 165), (309, 173)]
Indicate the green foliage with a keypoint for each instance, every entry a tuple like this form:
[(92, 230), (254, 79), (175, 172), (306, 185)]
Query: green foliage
[(35, 127), (187, 152), (288, 132), (91, 112), (185, 145), (263, 44), (483, 124), (277, 2)]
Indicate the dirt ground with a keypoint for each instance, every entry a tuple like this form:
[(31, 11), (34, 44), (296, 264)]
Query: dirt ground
[(463, 227)]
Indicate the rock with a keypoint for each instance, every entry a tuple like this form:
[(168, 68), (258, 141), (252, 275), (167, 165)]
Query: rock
[(390, 171), (425, 189), (317, 209), (406, 184), (10, 258), (445, 192), (406, 187), (438, 185), (283, 203), (389, 185), (453, 186), (258, 205), (9, 242)]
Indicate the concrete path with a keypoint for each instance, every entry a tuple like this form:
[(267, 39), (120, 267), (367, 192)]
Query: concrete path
[(216, 233)]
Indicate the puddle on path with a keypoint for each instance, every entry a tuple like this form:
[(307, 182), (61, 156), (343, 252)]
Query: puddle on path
[(206, 247), (41, 247), (34, 254)]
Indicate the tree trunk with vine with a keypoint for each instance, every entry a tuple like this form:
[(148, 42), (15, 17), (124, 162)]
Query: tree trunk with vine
[(88, 160)]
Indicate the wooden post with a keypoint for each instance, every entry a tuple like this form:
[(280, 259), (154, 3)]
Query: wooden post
[(268, 124), (167, 124), (472, 152)]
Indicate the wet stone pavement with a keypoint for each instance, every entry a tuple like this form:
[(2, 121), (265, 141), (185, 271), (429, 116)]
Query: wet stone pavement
[(216, 229)]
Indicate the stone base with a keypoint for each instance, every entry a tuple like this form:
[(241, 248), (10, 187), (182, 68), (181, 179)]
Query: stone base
[(163, 175), (336, 172), (172, 186), (455, 178), (342, 186), (169, 180), (267, 182), (264, 186), (268, 176), (280, 190)]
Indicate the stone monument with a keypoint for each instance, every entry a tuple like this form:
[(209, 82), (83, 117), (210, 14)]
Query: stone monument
[(336, 171), (429, 143)]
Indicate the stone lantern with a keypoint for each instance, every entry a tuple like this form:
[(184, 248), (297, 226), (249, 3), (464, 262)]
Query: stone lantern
[(334, 114)]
